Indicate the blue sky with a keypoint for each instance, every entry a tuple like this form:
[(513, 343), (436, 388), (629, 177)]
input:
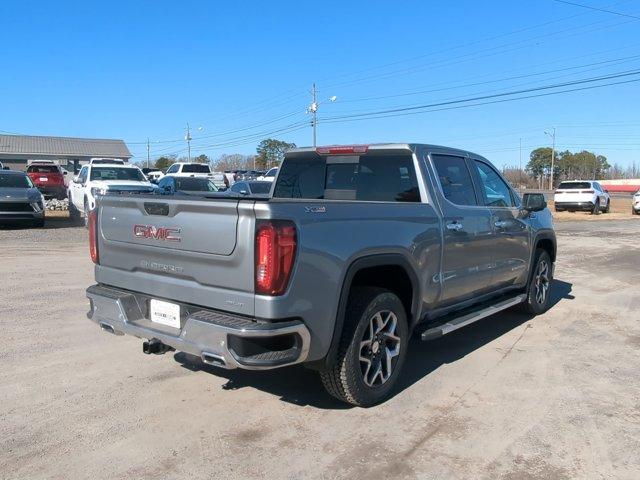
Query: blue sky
[(242, 71)]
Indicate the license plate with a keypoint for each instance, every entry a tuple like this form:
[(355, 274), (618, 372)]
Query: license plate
[(165, 313), (43, 179)]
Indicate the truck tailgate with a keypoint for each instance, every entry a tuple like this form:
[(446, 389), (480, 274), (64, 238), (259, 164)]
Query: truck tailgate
[(197, 251)]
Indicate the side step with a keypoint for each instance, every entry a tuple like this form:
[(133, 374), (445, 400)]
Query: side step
[(464, 320)]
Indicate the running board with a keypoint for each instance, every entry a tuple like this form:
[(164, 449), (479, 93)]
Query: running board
[(464, 320)]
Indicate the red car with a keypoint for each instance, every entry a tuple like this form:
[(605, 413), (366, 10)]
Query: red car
[(49, 179)]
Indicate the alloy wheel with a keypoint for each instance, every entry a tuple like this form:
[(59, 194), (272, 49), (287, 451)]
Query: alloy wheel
[(379, 348), (542, 282)]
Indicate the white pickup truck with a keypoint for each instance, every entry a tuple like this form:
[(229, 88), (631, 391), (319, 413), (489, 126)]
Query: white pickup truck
[(185, 169), (98, 179)]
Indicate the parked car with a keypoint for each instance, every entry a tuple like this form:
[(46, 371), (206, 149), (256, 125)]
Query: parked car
[(635, 206), (199, 169), (172, 184), (20, 200), (49, 179), (99, 179), (356, 248), (251, 188), (269, 176), (582, 195)]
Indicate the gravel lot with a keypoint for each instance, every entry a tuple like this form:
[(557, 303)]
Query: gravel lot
[(553, 397)]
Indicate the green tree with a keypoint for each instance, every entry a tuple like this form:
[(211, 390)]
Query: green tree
[(163, 163), (540, 162), (271, 152)]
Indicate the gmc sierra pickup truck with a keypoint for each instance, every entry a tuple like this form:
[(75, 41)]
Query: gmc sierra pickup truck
[(355, 249)]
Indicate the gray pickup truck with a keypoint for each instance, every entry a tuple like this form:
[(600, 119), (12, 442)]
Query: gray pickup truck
[(355, 249)]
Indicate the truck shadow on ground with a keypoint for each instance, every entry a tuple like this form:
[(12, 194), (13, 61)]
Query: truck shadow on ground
[(51, 223), (301, 386)]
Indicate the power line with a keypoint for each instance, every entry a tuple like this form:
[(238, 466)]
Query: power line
[(409, 109), (598, 9)]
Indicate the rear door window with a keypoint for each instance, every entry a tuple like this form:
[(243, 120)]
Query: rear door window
[(374, 178), (455, 179)]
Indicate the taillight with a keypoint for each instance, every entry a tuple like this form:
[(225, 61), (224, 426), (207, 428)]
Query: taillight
[(93, 235), (275, 253), (342, 149)]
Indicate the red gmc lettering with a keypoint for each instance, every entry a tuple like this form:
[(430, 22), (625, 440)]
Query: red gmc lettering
[(158, 233)]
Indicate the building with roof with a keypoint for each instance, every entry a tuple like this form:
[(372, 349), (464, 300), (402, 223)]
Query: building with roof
[(17, 151)]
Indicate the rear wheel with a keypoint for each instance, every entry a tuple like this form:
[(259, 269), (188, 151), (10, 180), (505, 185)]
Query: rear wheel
[(372, 349), (634, 211), (539, 287), (596, 208)]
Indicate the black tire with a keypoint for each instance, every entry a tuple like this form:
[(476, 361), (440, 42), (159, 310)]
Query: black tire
[(85, 217), (346, 379), (607, 209), (532, 305), (596, 208), (74, 214), (633, 211)]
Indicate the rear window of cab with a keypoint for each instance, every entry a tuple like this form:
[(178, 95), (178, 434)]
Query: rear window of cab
[(374, 178)]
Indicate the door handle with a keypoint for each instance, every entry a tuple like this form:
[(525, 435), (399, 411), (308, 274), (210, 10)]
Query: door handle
[(501, 224), (454, 226)]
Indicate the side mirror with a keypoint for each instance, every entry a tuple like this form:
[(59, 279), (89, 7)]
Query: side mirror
[(533, 202)]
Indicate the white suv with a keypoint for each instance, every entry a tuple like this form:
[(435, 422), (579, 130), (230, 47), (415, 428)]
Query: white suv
[(99, 179), (184, 169), (582, 195), (635, 203)]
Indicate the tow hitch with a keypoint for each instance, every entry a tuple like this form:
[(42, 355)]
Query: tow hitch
[(156, 347)]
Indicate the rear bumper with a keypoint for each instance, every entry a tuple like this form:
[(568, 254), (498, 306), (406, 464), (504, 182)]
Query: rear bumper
[(53, 191), (218, 338), (585, 206)]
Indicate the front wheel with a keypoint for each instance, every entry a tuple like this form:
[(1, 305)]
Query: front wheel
[(372, 349), (539, 287), (596, 208), (607, 209)]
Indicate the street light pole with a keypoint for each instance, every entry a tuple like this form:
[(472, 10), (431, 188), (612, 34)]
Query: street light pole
[(313, 110), (148, 151), (553, 155)]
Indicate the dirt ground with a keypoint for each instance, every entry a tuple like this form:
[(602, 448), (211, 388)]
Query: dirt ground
[(511, 397)]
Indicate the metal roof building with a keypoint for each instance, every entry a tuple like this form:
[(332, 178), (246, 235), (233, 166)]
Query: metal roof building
[(16, 151)]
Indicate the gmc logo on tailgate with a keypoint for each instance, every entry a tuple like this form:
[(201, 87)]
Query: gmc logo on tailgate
[(159, 233)]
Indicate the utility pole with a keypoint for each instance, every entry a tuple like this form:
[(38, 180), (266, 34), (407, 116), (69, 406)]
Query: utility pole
[(313, 110), (553, 155), (520, 153), (148, 151), (187, 137)]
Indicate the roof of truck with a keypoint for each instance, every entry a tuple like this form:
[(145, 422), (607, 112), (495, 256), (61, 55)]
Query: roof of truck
[(386, 146)]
